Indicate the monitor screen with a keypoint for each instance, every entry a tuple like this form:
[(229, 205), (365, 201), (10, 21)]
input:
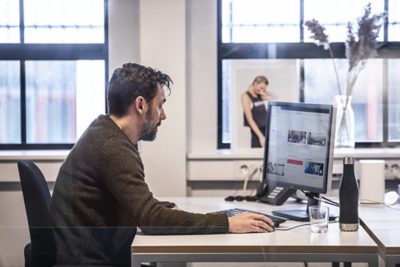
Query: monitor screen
[(299, 146)]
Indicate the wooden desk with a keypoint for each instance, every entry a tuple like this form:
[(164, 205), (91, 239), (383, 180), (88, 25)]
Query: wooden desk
[(383, 224), (296, 245)]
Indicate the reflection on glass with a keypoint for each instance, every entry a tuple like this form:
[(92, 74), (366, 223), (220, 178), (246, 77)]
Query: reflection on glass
[(9, 21), (10, 122), (226, 103), (320, 86), (64, 21), (237, 77), (334, 15), (256, 21), (394, 21), (393, 98), (56, 94)]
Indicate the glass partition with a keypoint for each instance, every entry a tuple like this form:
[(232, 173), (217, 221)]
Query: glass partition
[(64, 21), (335, 14), (393, 100), (9, 21), (257, 21), (62, 98), (10, 98)]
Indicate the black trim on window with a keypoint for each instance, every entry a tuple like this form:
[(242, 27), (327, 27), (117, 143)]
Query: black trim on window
[(52, 51), (295, 50), (220, 144)]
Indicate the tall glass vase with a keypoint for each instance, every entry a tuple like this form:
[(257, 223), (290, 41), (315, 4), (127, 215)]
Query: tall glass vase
[(345, 130)]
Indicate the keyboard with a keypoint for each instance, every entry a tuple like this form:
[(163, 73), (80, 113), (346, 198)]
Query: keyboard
[(235, 211)]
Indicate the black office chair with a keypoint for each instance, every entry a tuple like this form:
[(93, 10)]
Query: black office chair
[(41, 251)]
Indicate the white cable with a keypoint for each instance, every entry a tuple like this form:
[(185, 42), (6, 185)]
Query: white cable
[(249, 177)]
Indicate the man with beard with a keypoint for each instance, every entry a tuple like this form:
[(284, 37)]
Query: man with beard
[(100, 195)]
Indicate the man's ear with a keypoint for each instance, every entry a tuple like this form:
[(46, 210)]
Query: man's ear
[(140, 104)]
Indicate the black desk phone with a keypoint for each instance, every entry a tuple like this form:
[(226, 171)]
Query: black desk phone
[(274, 195)]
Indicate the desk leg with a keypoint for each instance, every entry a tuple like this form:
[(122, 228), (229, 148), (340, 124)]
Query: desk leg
[(136, 261)]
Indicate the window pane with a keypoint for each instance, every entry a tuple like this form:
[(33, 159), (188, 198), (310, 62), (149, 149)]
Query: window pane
[(283, 76), (255, 21), (394, 21), (394, 96), (10, 126), (62, 98), (64, 21), (320, 86), (334, 15), (9, 21)]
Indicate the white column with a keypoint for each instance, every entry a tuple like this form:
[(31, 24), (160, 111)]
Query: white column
[(163, 46)]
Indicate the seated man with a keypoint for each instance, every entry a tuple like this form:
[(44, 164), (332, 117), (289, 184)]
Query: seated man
[(101, 196)]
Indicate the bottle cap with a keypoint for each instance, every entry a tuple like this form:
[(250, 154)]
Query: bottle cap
[(348, 160)]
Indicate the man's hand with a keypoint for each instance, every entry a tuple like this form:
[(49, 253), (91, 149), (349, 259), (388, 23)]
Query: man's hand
[(249, 222)]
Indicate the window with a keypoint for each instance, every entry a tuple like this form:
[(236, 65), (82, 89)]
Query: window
[(53, 69), (268, 38), (260, 24), (336, 22)]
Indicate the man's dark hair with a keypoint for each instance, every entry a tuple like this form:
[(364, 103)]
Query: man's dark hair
[(131, 81)]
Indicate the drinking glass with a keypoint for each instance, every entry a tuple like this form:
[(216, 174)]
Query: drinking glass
[(319, 218)]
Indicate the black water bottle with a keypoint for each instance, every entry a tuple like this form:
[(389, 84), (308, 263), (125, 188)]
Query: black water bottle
[(348, 197)]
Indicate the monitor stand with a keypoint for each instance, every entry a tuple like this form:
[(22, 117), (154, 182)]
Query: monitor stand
[(301, 215)]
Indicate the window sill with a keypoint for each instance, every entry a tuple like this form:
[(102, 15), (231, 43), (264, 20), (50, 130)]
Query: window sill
[(258, 153), (43, 155)]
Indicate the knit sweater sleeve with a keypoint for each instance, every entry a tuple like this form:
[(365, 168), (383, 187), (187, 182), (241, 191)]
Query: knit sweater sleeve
[(123, 176)]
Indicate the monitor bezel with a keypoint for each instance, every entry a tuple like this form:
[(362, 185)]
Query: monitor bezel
[(330, 109)]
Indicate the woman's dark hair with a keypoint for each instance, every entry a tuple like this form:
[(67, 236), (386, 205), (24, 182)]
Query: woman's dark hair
[(131, 81), (260, 79)]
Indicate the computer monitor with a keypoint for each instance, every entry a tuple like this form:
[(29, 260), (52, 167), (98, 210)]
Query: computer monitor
[(299, 150)]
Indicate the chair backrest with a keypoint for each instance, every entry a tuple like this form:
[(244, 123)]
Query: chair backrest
[(37, 204)]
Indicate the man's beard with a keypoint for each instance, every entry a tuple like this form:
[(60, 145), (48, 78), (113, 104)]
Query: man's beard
[(149, 133)]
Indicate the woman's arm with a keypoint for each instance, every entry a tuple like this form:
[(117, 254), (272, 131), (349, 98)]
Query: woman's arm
[(269, 95)]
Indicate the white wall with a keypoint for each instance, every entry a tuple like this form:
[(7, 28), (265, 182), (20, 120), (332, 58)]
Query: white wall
[(162, 46), (202, 75), (123, 32), (153, 33)]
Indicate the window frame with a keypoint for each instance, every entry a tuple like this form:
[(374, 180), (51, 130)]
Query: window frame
[(300, 50), (23, 52)]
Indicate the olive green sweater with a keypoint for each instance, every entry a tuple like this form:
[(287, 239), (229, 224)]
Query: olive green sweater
[(100, 197)]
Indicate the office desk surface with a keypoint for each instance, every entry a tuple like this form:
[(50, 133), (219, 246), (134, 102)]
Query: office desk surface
[(298, 244), (383, 224)]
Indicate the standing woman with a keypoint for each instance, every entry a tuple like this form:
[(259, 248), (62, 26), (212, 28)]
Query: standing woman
[(254, 102)]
